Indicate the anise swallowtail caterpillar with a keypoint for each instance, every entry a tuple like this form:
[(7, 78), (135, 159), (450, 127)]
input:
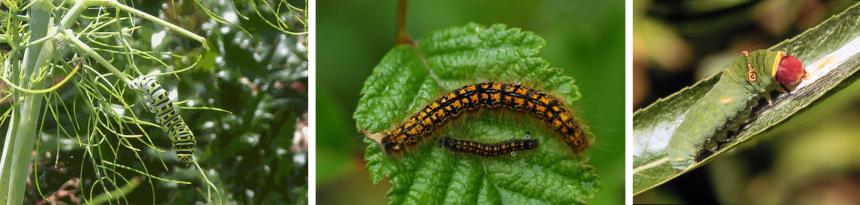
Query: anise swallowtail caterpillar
[(166, 115), (490, 95), (729, 103), (488, 149)]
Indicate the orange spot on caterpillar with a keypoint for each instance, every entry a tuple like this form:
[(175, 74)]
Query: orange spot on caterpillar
[(751, 75), (725, 100), (488, 95)]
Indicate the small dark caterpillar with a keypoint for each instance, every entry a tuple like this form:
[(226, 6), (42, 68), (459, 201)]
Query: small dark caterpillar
[(486, 95), (167, 116), (489, 150)]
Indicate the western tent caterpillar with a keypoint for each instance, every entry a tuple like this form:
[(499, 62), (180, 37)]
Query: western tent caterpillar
[(490, 95)]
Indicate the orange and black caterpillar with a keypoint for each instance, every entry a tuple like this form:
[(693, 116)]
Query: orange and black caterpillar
[(488, 150), (486, 95)]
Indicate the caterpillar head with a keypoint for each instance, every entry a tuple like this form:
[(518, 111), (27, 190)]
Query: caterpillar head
[(531, 143), (790, 72), (141, 82), (389, 145)]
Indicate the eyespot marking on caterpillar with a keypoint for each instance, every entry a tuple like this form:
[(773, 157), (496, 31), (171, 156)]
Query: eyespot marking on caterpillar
[(167, 116), (490, 95), (751, 76)]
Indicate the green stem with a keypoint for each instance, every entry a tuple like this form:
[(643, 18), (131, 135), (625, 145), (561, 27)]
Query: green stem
[(118, 193), (93, 54), (20, 138), (157, 20), (4, 13), (81, 5), (73, 14)]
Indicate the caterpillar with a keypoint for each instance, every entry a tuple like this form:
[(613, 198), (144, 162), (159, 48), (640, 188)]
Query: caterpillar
[(489, 150), (489, 95), (729, 103), (167, 116)]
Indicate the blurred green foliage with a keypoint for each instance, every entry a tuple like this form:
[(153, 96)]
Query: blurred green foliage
[(586, 38), (255, 154), (677, 43)]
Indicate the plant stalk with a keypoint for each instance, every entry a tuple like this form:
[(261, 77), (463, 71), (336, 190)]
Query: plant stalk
[(20, 138)]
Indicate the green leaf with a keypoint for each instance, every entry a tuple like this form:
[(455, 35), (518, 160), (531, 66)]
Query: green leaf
[(406, 80), (831, 54)]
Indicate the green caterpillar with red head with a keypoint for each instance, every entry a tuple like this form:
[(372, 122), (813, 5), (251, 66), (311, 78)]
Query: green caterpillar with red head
[(729, 103)]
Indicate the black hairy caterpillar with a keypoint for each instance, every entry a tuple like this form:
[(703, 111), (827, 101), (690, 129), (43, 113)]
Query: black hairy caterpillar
[(488, 149)]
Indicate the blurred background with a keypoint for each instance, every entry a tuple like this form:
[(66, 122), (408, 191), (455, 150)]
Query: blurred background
[(811, 159), (586, 38), (256, 70)]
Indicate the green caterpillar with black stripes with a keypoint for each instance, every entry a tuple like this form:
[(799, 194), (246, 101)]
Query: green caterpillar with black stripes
[(729, 103), (167, 116)]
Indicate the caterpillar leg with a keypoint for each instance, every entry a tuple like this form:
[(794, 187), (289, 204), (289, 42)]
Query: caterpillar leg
[(781, 89), (768, 99)]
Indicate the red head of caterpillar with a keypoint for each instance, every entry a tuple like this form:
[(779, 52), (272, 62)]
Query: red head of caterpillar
[(729, 102), (790, 72), (489, 95), (488, 149)]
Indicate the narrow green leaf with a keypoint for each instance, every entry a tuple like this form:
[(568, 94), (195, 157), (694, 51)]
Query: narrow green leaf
[(409, 77), (831, 55)]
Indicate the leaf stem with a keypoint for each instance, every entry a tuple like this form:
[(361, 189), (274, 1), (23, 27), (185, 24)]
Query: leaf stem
[(81, 5), (157, 20), (402, 37), (92, 53), (40, 91), (120, 192), (4, 13)]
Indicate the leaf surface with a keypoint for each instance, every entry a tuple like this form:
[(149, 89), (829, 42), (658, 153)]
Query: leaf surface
[(411, 76)]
